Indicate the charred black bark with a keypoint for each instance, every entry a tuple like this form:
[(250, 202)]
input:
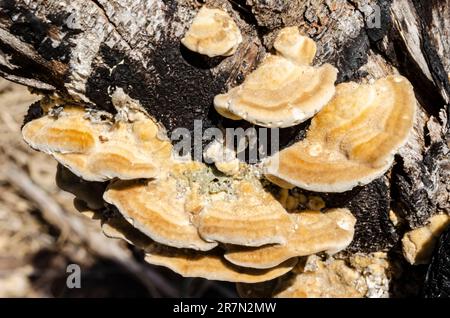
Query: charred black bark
[(437, 281), (370, 205)]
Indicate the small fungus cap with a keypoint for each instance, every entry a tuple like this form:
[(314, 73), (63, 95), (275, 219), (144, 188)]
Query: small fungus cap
[(213, 33), (251, 217), (295, 47)]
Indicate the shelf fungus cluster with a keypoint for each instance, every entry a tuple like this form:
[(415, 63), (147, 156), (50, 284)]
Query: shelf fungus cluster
[(185, 215), (197, 221), (285, 90), (226, 223)]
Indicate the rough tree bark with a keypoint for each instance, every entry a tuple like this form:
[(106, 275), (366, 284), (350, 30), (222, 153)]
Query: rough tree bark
[(82, 50)]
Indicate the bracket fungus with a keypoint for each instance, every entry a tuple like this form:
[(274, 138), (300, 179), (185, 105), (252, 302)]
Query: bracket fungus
[(157, 208), (314, 232), (100, 151), (154, 209), (352, 141), (212, 266), (185, 216), (213, 33), (252, 217), (226, 225), (191, 263), (180, 211), (187, 224), (70, 132), (284, 90)]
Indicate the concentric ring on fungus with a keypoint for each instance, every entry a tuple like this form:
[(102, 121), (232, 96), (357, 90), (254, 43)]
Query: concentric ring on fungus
[(352, 141), (284, 90), (191, 263), (100, 151), (178, 210)]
